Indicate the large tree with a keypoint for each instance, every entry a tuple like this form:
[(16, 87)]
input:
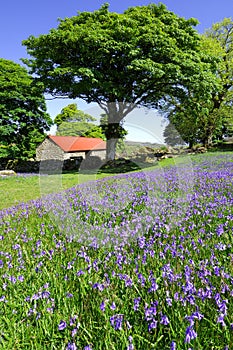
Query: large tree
[(23, 117), (201, 119), (120, 61), (222, 108)]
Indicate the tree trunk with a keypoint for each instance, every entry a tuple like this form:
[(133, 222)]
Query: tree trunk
[(207, 142), (190, 144), (111, 149)]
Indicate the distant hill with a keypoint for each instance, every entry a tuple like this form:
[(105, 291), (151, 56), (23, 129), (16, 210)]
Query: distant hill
[(143, 144)]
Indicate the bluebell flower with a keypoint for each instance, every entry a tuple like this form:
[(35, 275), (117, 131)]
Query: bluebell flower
[(62, 325), (190, 334), (164, 320), (113, 306), (102, 306), (71, 346), (136, 303), (116, 321), (152, 325), (220, 320), (173, 345)]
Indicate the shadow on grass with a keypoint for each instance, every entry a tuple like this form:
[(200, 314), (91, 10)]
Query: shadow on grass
[(119, 166), (112, 167), (224, 147)]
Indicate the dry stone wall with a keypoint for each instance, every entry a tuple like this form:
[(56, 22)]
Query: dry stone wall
[(49, 150)]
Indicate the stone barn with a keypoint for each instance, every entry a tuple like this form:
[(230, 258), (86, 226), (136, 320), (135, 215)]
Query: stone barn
[(70, 147)]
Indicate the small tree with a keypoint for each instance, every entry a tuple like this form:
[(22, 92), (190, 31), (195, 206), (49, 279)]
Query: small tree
[(120, 61), (72, 114), (74, 122), (23, 114), (172, 136)]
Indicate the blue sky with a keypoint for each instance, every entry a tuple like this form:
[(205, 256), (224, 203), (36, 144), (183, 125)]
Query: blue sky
[(20, 19)]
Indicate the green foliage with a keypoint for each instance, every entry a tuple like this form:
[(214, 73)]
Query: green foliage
[(121, 61), (202, 119), (74, 128), (71, 113), (23, 112), (74, 122), (95, 131), (172, 136), (222, 34)]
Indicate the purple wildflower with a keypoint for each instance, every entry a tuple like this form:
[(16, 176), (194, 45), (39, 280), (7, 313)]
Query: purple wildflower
[(128, 325), (223, 306), (69, 295), (50, 309), (164, 320), (113, 306), (152, 325), (80, 272), (190, 334), (74, 331), (71, 346), (116, 321), (221, 320), (136, 303), (73, 320), (173, 345), (102, 306), (45, 295), (130, 346), (62, 325), (150, 312), (3, 299)]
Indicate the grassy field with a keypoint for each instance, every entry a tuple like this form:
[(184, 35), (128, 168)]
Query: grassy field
[(139, 260), (25, 187), (22, 188)]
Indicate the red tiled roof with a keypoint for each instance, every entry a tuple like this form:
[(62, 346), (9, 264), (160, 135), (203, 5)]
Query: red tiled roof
[(78, 143)]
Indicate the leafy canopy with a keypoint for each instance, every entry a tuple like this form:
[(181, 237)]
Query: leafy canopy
[(121, 61), (23, 112), (74, 122), (71, 113), (201, 119)]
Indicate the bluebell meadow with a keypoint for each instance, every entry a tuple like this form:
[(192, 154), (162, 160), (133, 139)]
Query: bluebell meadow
[(136, 261)]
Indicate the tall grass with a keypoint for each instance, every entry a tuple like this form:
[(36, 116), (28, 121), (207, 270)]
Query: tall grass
[(135, 261)]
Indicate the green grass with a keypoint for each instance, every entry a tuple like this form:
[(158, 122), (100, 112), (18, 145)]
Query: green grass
[(48, 274), (15, 190), (18, 189)]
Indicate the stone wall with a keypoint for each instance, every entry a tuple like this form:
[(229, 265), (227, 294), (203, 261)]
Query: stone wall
[(49, 150), (47, 166), (19, 165), (68, 155), (98, 153)]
